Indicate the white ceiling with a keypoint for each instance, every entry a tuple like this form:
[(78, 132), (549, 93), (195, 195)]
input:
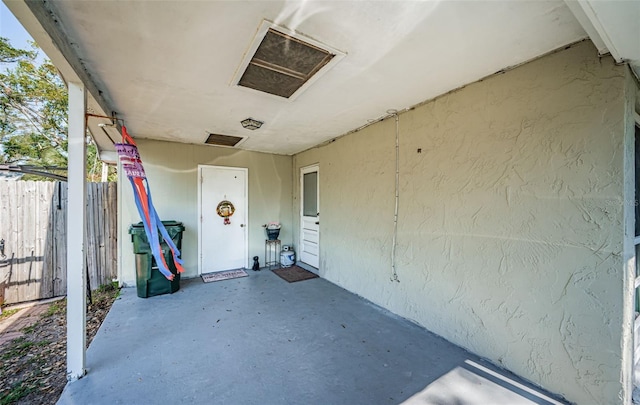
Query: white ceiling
[(167, 67)]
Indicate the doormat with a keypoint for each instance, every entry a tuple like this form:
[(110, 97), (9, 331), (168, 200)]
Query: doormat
[(294, 273), (223, 275)]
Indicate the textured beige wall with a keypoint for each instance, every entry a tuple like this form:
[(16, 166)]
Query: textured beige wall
[(510, 233), (172, 172), (629, 252)]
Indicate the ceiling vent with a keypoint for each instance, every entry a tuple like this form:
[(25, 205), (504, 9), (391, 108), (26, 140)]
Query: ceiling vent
[(223, 140), (283, 63)]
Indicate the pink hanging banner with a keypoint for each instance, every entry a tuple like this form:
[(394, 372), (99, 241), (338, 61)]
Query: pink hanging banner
[(130, 158)]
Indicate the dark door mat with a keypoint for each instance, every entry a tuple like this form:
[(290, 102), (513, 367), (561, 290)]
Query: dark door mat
[(294, 273)]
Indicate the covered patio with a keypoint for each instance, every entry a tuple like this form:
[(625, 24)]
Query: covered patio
[(470, 166), (261, 340)]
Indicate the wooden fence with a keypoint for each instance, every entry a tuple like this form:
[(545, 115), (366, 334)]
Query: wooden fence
[(33, 224)]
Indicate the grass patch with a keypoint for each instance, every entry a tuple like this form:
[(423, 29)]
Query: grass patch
[(28, 329), (16, 348), (110, 290), (19, 347), (56, 308), (17, 391), (6, 313), (113, 286)]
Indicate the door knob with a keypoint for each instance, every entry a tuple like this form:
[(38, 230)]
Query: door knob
[(241, 225), (317, 223)]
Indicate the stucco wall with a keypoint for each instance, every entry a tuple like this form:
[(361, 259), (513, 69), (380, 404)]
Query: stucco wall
[(510, 232), (172, 170), (629, 363)]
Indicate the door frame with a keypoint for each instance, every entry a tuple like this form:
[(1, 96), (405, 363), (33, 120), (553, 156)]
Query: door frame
[(246, 209), (304, 170)]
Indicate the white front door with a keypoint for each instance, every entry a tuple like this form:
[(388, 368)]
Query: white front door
[(223, 244), (310, 215)]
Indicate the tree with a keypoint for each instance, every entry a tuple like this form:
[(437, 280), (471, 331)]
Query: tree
[(9, 54), (33, 111)]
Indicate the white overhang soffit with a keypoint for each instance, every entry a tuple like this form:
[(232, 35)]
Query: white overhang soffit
[(613, 26)]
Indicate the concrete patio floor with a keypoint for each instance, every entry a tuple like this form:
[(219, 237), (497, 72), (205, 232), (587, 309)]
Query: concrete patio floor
[(261, 340)]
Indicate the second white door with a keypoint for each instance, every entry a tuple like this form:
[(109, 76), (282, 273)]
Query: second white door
[(223, 244), (310, 215)]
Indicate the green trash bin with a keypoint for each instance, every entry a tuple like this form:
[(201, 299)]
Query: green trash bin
[(139, 237), (149, 280)]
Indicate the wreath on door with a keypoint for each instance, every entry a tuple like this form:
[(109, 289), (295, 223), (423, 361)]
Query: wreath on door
[(225, 209)]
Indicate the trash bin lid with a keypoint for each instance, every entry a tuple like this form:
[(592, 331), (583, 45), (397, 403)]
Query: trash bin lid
[(172, 223), (138, 228)]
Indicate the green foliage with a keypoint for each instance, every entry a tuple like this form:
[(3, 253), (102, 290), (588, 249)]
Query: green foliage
[(112, 286), (18, 391), (33, 109), (6, 313), (20, 348), (106, 292), (33, 112), (9, 54), (56, 307)]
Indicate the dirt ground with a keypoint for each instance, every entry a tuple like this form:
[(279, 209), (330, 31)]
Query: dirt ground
[(34, 365)]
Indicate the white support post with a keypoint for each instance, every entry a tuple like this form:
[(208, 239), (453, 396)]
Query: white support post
[(76, 272)]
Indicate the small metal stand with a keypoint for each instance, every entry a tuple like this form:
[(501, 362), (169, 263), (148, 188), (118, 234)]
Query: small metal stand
[(272, 253)]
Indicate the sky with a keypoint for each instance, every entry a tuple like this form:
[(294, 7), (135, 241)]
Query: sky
[(11, 29)]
